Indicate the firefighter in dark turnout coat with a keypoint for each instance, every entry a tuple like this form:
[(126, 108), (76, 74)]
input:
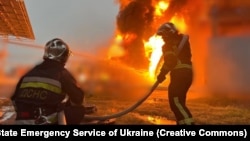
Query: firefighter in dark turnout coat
[(177, 61), (40, 93)]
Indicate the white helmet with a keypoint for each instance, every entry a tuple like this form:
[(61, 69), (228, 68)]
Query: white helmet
[(56, 49)]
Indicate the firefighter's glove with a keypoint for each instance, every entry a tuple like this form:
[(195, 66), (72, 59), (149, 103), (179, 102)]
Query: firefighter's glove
[(161, 77)]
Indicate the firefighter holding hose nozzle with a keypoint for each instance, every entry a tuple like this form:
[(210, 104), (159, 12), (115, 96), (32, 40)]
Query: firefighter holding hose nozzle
[(177, 61), (48, 93)]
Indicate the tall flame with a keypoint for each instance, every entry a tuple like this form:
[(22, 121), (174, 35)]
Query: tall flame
[(130, 28), (153, 46), (154, 53)]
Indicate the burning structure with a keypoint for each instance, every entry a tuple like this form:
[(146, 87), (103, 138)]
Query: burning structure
[(135, 43), (212, 24)]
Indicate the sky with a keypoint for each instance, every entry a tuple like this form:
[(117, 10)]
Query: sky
[(83, 24)]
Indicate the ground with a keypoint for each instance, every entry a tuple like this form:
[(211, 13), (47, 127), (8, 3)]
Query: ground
[(207, 109)]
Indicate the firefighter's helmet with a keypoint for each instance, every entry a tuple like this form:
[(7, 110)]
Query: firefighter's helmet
[(167, 30), (56, 49)]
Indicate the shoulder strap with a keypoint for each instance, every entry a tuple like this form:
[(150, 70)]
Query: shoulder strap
[(181, 45)]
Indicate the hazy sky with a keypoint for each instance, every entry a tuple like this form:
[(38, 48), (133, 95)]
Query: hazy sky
[(83, 24)]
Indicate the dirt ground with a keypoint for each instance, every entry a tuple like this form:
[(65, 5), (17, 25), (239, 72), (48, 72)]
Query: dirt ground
[(206, 109)]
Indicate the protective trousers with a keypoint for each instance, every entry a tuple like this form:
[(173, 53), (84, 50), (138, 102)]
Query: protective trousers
[(180, 82)]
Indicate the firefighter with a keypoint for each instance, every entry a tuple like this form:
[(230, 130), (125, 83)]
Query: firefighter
[(177, 61), (48, 93)]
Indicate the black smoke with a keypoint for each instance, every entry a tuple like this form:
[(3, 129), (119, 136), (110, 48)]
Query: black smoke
[(134, 19)]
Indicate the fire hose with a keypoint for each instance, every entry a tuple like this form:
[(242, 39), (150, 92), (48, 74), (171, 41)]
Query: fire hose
[(89, 117), (139, 102)]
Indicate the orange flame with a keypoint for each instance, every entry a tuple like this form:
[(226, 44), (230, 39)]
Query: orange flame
[(154, 53), (160, 8), (180, 23), (116, 49), (154, 44)]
